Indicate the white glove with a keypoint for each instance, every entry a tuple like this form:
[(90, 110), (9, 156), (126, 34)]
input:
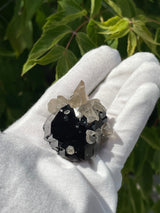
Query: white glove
[(33, 178)]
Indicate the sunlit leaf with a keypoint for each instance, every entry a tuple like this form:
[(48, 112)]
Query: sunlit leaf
[(109, 23), (46, 42), (118, 34), (84, 42), (132, 43), (49, 39), (120, 29), (120, 26)]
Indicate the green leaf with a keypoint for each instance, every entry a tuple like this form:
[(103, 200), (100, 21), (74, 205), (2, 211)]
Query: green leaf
[(132, 43), (28, 65), (19, 34), (40, 18), (123, 206), (95, 7), (128, 8), (19, 30), (153, 47), (74, 16), (69, 6), (120, 29), (113, 43), (146, 179), (152, 137), (158, 109), (141, 30), (84, 42), (31, 7), (121, 25), (7, 53), (57, 19), (53, 55), (118, 34), (135, 197), (92, 31), (156, 207), (109, 23), (3, 105), (46, 42), (66, 62), (141, 153), (129, 165), (142, 18), (155, 163), (115, 7), (53, 19)]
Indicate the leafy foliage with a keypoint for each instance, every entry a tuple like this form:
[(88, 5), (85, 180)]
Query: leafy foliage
[(80, 20), (49, 36)]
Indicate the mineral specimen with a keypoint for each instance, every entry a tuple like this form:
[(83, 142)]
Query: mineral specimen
[(77, 126)]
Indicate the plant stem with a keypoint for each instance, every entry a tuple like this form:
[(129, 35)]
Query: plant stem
[(152, 20), (75, 32)]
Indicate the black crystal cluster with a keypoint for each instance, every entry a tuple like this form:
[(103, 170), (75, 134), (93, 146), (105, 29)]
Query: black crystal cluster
[(73, 137)]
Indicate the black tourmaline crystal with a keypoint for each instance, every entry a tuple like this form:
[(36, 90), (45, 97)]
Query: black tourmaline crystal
[(70, 132)]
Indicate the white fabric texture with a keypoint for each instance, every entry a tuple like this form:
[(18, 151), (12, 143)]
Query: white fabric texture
[(33, 178)]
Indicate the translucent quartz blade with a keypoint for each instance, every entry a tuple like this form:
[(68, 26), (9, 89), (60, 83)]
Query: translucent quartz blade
[(91, 110), (55, 105), (97, 106), (107, 129), (79, 96)]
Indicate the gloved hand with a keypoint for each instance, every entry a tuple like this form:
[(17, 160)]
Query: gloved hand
[(33, 178)]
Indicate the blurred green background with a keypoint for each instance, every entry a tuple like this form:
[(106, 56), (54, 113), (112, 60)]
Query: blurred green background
[(47, 37)]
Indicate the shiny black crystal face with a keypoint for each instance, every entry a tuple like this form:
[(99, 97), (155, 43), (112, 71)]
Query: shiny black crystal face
[(70, 132)]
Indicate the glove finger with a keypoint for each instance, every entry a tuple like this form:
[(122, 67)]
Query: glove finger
[(119, 75), (147, 72), (128, 127)]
